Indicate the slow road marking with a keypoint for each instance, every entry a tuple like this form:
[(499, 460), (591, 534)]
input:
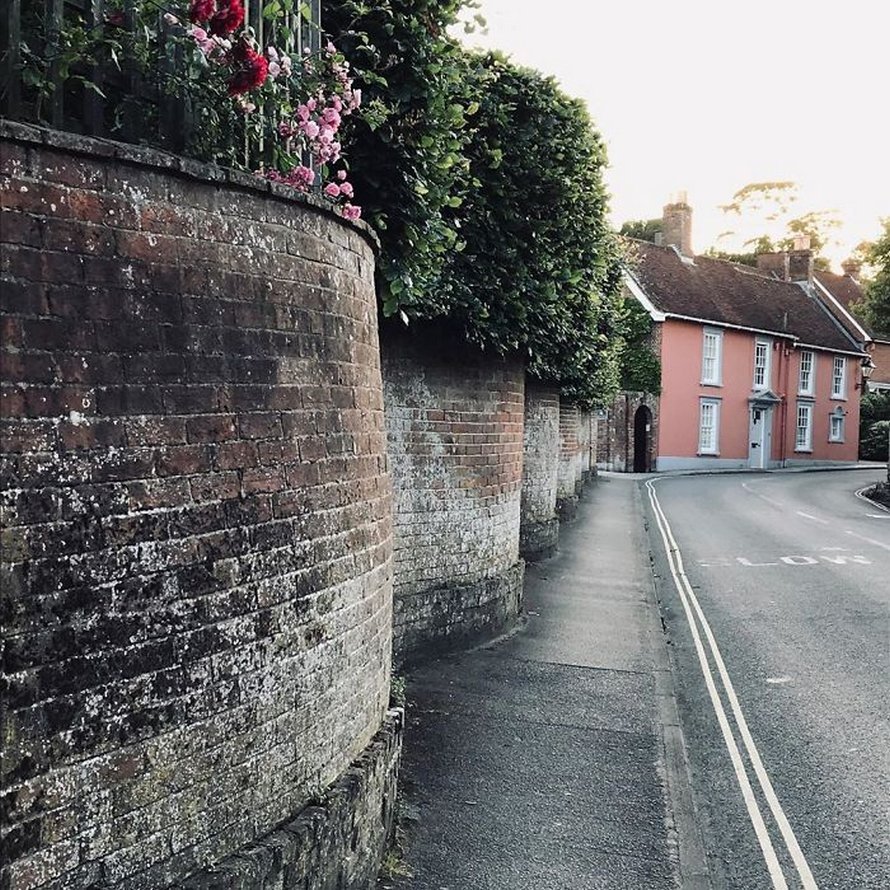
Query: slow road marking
[(696, 619), (836, 558)]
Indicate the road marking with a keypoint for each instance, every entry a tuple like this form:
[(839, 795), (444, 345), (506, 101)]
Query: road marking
[(869, 540), (841, 560), (762, 497), (810, 516), (794, 560), (778, 681), (861, 495), (878, 515), (687, 596)]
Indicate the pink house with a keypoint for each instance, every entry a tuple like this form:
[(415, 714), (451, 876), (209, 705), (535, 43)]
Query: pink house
[(757, 372)]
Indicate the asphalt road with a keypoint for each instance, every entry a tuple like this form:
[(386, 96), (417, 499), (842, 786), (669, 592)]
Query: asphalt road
[(792, 575)]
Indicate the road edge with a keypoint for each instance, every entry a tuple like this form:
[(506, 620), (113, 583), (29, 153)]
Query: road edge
[(693, 865)]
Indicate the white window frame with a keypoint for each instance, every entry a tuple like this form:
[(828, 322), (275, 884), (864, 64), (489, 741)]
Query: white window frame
[(711, 447), (839, 382), (810, 388), (767, 345), (806, 442), (839, 416), (714, 335)]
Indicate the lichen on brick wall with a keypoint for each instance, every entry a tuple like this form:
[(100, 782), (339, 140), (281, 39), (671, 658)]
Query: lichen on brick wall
[(197, 514), (539, 529), (454, 421)]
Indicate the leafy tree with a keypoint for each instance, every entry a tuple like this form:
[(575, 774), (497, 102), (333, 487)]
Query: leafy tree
[(407, 151), (874, 421), (769, 206), (539, 270), (642, 229), (875, 307), (484, 182)]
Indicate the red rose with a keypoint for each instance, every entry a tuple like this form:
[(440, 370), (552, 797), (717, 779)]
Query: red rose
[(228, 18), (201, 10), (251, 69)]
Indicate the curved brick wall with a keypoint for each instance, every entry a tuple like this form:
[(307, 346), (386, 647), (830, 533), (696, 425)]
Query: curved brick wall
[(197, 586), (539, 528), (584, 444), (454, 428), (569, 474)]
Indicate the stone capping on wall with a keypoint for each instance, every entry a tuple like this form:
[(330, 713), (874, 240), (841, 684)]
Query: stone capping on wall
[(188, 168), (339, 842)]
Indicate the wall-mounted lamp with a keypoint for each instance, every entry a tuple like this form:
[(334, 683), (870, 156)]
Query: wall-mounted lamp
[(866, 370)]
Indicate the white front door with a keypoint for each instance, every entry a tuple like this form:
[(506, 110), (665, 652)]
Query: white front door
[(760, 438)]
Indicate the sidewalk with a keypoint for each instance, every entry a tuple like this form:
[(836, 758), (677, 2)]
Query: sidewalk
[(551, 760)]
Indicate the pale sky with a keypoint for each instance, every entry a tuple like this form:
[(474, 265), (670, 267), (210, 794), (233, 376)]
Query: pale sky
[(709, 96)]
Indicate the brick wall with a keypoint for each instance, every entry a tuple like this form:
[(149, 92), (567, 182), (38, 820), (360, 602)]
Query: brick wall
[(569, 474), (454, 426), (539, 528), (197, 516), (584, 444), (615, 438)]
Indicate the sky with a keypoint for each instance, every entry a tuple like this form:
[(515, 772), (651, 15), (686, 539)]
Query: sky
[(706, 97)]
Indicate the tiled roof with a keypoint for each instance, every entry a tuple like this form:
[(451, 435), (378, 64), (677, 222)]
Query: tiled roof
[(727, 293), (847, 292), (843, 288)]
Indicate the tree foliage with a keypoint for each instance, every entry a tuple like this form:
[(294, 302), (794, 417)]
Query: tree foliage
[(874, 423), (768, 209), (642, 229), (539, 270), (484, 183), (640, 365), (408, 151), (875, 307)]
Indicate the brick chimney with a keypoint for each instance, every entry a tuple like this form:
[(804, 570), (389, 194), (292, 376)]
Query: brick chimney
[(800, 260), (852, 267), (790, 265), (677, 225), (777, 263)]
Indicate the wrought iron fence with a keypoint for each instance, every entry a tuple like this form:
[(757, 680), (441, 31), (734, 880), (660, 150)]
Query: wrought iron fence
[(126, 98)]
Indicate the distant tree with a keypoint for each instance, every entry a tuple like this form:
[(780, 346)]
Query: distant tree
[(769, 206), (875, 307), (743, 259), (642, 229)]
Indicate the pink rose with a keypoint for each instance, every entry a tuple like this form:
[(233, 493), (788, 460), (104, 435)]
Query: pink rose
[(332, 190)]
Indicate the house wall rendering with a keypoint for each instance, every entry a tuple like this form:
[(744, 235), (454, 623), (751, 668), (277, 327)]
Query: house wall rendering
[(706, 402)]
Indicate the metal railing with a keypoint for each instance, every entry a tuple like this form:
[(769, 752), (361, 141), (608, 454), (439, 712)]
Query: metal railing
[(125, 99)]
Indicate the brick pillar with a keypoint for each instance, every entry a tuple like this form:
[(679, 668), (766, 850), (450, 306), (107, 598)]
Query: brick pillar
[(539, 528), (584, 445), (569, 461), (454, 445)]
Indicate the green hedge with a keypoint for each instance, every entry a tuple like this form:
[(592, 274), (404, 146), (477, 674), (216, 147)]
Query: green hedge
[(484, 181)]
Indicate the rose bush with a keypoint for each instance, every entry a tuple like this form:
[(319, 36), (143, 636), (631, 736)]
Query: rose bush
[(239, 103)]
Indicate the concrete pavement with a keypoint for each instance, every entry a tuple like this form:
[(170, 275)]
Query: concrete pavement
[(552, 759)]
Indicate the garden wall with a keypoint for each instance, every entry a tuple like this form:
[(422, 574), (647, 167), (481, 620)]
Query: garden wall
[(197, 539), (569, 472), (539, 528), (454, 428)]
